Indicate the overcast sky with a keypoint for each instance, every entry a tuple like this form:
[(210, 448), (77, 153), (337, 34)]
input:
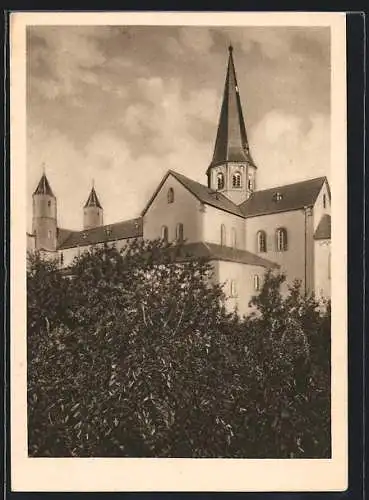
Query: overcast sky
[(122, 105)]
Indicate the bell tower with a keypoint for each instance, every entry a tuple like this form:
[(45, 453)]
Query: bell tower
[(232, 170), (92, 211), (44, 222)]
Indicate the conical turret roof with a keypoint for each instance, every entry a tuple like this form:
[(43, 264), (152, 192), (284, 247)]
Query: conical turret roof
[(43, 187), (231, 143), (92, 200)]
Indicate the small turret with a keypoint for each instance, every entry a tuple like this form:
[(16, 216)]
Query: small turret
[(44, 221), (92, 211)]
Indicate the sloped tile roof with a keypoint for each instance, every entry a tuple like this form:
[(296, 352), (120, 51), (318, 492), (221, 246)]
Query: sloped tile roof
[(62, 235), (218, 252), (323, 231), (43, 187), (202, 193), (111, 232), (283, 198)]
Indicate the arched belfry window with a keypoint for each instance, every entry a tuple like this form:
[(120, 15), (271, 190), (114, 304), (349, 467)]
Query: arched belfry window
[(281, 239), (170, 195), (236, 180), (179, 232), (220, 181), (164, 234), (261, 241), (223, 235)]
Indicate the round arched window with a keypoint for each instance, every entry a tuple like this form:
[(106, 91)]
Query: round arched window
[(236, 180), (170, 195)]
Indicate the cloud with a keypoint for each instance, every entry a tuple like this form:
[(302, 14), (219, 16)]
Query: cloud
[(289, 148), (62, 59)]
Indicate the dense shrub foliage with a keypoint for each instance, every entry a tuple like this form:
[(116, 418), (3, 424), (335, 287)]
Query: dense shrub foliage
[(134, 354)]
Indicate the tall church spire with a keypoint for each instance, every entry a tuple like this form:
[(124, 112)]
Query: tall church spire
[(231, 143), (232, 169)]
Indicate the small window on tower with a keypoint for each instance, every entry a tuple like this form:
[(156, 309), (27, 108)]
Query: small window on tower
[(220, 181), (250, 183), (49, 203), (236, 180), (49, 234), (324, 201), (170, 195)]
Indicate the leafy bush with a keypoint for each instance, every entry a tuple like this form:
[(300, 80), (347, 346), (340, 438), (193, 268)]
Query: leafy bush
[(140, 358)]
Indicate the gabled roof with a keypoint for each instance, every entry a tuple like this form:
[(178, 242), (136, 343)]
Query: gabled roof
[(212, 251), (92, 200), (43, 187), (323, 231), (204, 194), (283, 198), (231, 142), (111, 232)]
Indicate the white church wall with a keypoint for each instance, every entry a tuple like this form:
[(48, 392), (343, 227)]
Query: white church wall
[(185, 209), (322, 271), (241, 282), (291, 261), (214, 218)]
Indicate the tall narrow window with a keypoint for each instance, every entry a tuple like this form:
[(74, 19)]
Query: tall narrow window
[(324, 201), (223, 235), (236, 180), (257, 283), (179, 232), (220, 181), (49, 203), (61, 259), (261, 242), (233, 289), (170, 195), (250, 183), (234, 238), (281, 239), (164, 234), (49, 234)]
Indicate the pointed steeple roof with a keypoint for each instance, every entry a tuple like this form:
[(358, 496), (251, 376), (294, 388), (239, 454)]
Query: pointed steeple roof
[(231, 143), (43, 186), (93, 200)]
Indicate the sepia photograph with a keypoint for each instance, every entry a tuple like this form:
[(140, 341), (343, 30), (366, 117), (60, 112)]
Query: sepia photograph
[(179, 186)]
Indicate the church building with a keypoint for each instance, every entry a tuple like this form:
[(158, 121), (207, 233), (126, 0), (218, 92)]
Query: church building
[(242, 230)]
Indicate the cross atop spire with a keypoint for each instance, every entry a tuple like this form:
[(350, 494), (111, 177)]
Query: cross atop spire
[(92, 200), (231, 144), (43, 186)]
